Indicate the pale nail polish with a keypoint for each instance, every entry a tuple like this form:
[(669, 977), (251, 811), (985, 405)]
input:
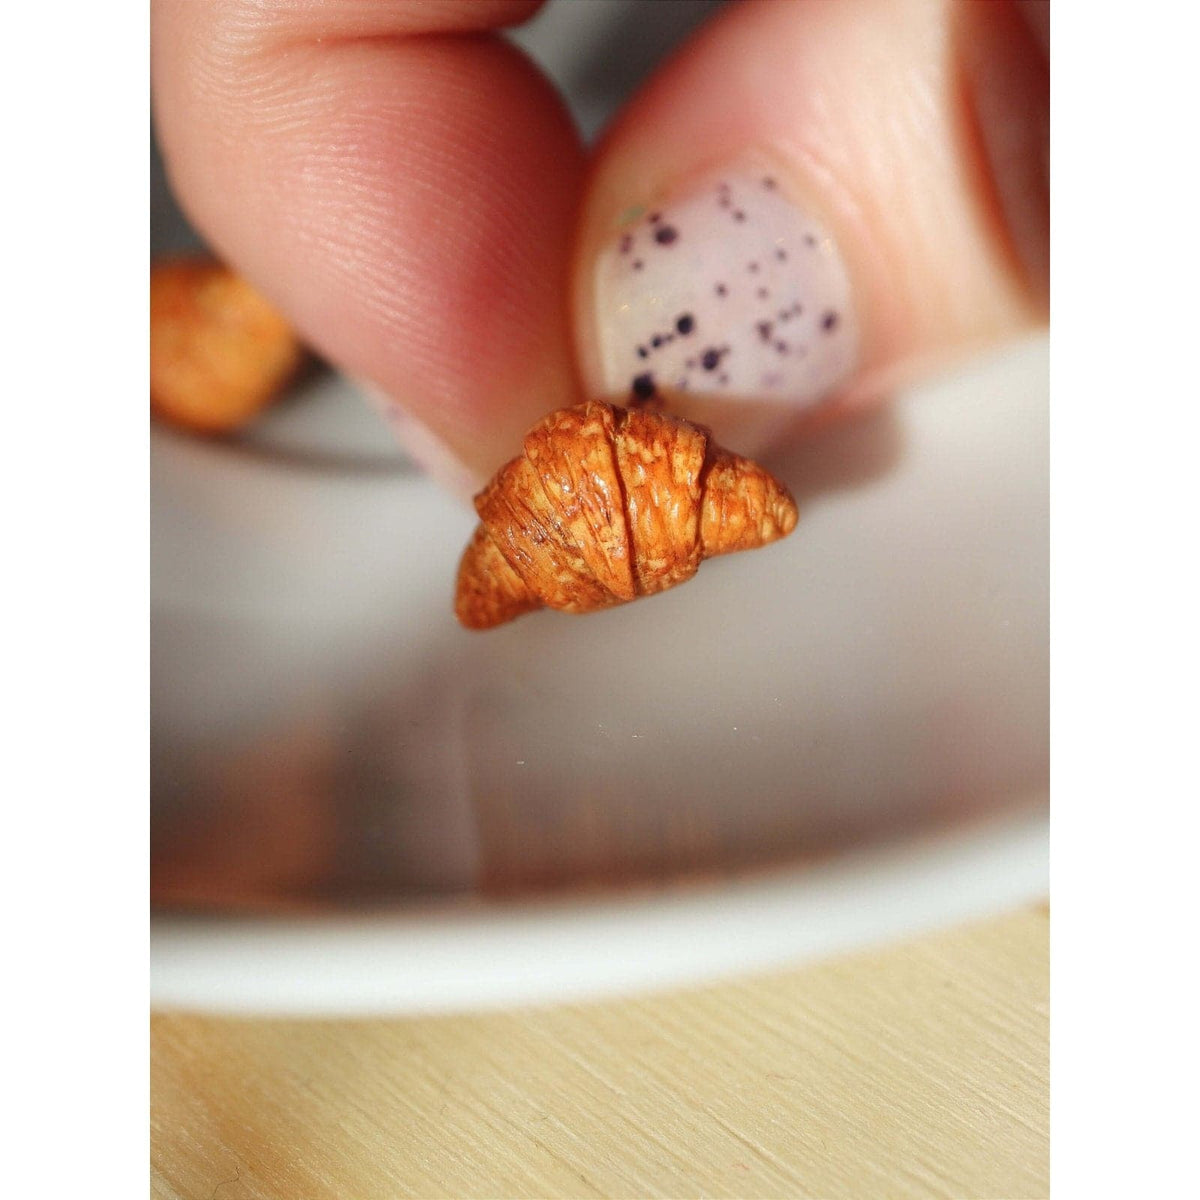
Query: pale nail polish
[(731, 293), (422, 445)]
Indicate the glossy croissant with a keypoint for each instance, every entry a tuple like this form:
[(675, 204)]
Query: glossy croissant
[(606, 505)]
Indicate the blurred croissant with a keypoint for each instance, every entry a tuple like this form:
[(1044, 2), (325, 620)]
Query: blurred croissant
[(606, 505)]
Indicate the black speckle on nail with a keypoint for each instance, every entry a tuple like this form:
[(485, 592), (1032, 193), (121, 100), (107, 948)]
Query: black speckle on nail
[(643, 352), (643, 388), (763, 293), (781, 255), (829, 321), (710, 359), (722, 290), (637, 264), (809, 240), (655, 217), (764, 330), (781, 347), (685, 324), (664, 235), (752, 268), (738, 215), (656, 341), (769, 183)]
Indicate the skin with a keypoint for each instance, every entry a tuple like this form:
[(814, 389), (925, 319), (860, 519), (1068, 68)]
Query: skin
[(410, 191)]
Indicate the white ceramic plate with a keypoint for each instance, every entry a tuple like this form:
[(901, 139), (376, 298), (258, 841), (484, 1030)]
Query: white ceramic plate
[(446, 958), (838, 739)]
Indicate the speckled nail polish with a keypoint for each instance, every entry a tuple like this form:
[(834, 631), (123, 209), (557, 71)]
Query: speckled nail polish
[(730, 291)]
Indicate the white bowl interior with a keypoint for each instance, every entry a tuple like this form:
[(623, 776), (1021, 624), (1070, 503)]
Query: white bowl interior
[(835, 739)]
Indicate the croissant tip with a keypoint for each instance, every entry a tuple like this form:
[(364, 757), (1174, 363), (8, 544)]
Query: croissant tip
[(480, 610), (488, 592), (471, 613), (786, 512)]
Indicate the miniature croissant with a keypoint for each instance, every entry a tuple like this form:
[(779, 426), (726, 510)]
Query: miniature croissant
[(607, 505)]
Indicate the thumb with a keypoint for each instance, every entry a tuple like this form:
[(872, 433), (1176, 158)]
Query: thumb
[(810, 201)]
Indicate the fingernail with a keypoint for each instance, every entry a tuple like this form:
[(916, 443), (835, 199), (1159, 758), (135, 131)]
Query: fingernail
[(729, 292), (422, 445)]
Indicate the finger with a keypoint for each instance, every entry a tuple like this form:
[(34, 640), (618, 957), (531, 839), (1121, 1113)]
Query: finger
[(810, 199), (400, 184)]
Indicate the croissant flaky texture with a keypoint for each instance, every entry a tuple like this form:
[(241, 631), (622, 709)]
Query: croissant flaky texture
[(606, 505)]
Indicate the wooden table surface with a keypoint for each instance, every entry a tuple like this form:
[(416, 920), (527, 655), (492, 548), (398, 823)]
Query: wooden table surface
[(917, 1071)]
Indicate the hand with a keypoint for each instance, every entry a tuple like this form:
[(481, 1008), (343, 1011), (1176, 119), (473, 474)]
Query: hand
[(410, 191)]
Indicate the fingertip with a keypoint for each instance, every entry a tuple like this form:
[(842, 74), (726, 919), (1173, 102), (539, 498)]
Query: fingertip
[(407, 201)]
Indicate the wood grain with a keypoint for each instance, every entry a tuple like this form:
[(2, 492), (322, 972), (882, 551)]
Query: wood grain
[(916, 1071)]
